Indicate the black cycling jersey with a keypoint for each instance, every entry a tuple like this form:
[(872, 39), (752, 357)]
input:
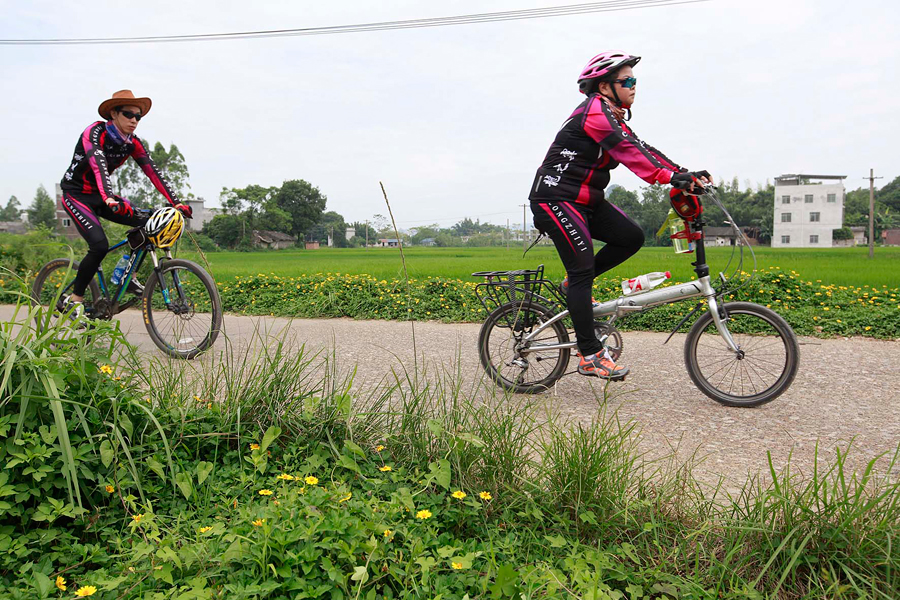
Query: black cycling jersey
[(587, 147), (100, 151)]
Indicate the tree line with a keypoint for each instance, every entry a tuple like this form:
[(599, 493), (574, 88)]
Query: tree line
[(298, 208)]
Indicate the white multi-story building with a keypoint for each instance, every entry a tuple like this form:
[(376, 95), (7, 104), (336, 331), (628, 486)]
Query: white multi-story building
[(807, 209), (201, 214)]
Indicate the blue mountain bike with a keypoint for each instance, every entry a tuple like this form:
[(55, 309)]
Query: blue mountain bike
[(180, 303)]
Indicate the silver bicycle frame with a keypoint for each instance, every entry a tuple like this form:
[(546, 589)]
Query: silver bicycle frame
[(638, 302)]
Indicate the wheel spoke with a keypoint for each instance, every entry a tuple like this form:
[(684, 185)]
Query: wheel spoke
[(768, 351), (189, 329), (498, 350)]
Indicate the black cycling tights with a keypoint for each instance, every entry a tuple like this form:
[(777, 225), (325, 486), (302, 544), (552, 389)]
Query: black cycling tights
[(573, 228), (84, 210)]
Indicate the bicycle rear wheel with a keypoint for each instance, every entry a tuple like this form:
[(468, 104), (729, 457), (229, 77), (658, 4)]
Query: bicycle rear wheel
[(182, 309), (518, 367), (54, 282), (762, 369)]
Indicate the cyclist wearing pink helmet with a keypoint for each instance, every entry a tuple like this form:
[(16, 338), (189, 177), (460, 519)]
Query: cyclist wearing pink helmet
[(567, 195)]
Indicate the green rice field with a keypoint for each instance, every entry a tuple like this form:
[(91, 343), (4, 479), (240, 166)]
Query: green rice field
[(837, 266)]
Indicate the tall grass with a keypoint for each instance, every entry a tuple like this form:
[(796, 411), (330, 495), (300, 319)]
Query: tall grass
[(576, 503), (51, 368), (828, 534)]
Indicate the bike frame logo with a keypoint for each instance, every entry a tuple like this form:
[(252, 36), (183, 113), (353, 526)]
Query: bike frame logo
[(128, 269)]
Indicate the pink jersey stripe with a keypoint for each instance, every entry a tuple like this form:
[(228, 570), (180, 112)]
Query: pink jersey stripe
[(81, 208), (563, 229), (578, 216)]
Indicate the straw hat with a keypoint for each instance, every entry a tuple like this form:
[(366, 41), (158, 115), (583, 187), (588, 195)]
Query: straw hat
[(124, 98)]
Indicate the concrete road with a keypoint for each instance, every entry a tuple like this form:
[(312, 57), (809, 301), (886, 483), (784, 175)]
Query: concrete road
[(846, 389)]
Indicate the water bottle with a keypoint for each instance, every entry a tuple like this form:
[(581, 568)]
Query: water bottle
[(644, 282), (119, 271)]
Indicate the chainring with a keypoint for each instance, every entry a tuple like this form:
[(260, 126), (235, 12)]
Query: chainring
[(613, 339)]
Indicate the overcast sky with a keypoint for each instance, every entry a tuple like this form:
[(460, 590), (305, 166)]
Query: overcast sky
[(453, 120)]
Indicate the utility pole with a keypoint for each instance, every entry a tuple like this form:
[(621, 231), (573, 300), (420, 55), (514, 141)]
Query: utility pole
[(367, 234), (872, 179), (524, 240)]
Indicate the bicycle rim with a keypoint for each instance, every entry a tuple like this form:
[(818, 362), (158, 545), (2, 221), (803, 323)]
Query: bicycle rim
[(501, 351), (763, 369), (54, 283), (187, 324)]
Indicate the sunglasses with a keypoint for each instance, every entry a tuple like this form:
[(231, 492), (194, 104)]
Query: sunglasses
[(627, 83), (131, 115)]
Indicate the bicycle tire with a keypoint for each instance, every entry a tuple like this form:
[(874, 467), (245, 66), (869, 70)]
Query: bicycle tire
[(149, 312), (781, 381), (37, 288), (511, 316)]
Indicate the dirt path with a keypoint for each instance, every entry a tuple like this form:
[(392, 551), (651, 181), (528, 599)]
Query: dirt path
[(845, 389)]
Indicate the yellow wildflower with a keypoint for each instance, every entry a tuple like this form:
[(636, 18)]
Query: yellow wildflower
[(423, 514), (110, 489), (347, 497), (85, 591), (106, 369), (379, 448), (459, 494), (254, 446), (286, 477), (265, 492), (204, 529), (259, 522), (485, 495), (137, 518), (60, 583), (385, 469), (387, 533), (311, 480), (456, 565)]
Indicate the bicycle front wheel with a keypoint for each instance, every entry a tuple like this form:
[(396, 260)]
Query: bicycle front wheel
[(521, 367), (761, 370), (182, 309)]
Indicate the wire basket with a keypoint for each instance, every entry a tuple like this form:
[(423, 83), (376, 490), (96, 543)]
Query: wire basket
[(526, 286)]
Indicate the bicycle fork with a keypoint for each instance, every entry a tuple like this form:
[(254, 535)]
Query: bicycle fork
[(182, 301), (719, 317)]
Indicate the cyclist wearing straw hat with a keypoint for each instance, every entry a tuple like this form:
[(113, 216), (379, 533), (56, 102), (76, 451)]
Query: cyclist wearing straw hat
[(567, 194), (87, 192)]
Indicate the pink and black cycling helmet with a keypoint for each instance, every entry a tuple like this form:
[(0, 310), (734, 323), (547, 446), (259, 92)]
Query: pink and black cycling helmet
[(603, 65)]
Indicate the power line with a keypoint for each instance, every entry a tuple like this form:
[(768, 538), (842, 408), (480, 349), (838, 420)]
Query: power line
[(510, 15)]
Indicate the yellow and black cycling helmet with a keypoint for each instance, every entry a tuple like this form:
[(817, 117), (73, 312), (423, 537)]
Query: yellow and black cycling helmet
[(164, 226)]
